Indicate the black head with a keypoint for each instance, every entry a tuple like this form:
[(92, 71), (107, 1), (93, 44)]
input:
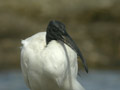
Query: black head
[(57, 31)]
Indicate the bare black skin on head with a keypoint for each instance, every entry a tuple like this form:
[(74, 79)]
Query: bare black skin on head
[(57, 31)]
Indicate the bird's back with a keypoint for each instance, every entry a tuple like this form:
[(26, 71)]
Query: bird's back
[(47, 67)]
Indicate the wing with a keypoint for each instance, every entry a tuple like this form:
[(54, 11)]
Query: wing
[(24, 65)]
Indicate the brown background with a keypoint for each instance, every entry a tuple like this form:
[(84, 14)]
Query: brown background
[(93, 24)]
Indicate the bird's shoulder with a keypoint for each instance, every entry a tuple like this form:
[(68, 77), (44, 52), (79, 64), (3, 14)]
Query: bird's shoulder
[(35, 42)]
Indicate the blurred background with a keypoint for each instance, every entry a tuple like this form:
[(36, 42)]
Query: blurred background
[(93, 24)]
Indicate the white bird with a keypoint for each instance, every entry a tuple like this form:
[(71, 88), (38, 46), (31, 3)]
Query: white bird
[(49, 60)]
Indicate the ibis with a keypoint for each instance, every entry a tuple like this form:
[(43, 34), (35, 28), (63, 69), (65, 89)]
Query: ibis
[(49, 60)]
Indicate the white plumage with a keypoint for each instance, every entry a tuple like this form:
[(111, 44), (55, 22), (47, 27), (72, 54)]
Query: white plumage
[(49, 67)]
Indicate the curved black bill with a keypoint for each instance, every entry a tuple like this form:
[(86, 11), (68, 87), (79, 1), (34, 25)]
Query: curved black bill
[(68, 40)]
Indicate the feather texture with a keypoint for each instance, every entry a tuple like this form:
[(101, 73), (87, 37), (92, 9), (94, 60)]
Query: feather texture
[(49, 67)]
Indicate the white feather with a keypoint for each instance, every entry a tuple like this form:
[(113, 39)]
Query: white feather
[(48, 67)]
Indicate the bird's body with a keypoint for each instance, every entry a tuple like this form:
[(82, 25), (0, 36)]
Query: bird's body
[(51, 66), (46, 68)]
